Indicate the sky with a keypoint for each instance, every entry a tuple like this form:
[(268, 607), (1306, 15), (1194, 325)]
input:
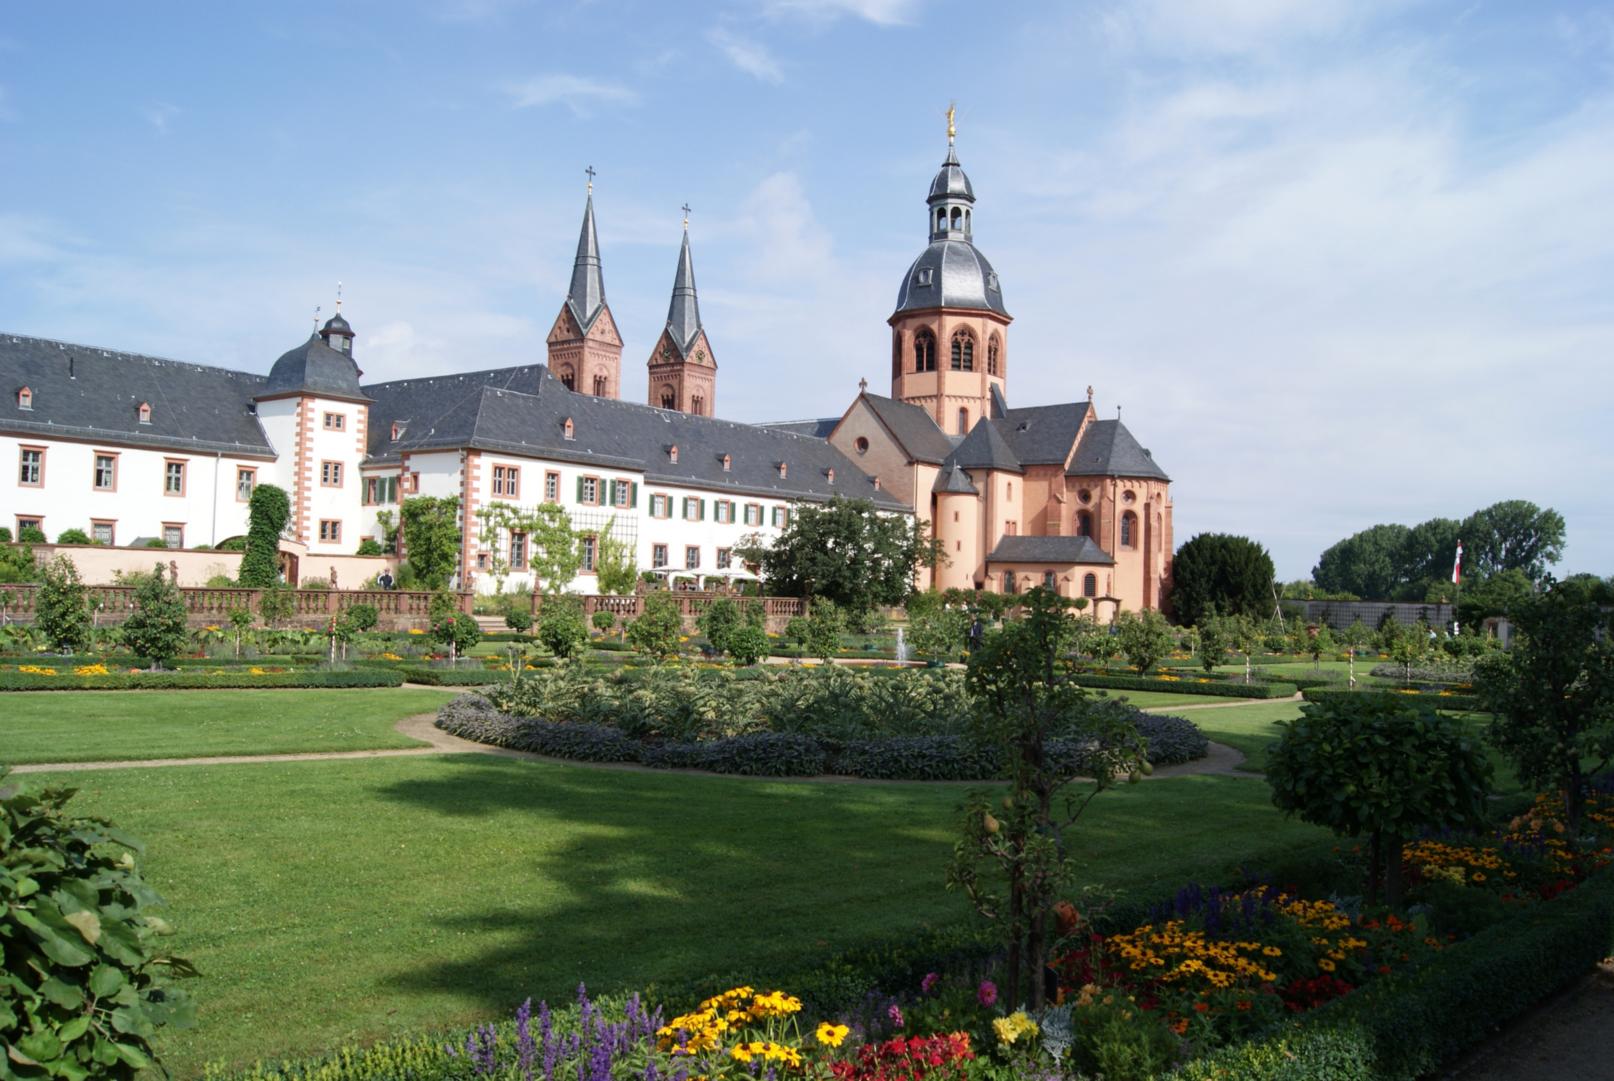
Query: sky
[(1337, 262)]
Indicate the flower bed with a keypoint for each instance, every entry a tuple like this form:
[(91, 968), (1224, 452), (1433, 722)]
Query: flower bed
[(100, 677), (1440, 699), (129, 660), (1188, 685), (942, 757)]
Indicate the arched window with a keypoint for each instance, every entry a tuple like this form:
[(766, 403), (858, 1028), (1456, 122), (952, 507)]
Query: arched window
[(963, 352), (669, 400), (1050, 581), (963, 421), (896, 355), (992, 348), (966, 221), (25, 398), (924, 351), (958, 218), (1090, 586), (568, 377), (1129, 530), (697, 406), (941, 220), (1009, 585), (861, 444), (1084, 524), (143, 413), (599, 386)]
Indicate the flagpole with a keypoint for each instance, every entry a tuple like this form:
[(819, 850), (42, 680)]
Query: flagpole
[(1457, 588)]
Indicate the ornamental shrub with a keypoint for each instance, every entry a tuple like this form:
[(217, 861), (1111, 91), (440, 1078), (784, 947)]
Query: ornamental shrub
[(155, 630), (659, 626), (560, 625), (276, 605), (458, 631), (1144, 638), (86, 985), (825, 622), (518, 620), (722, 615), (1381, 765), (5, 534), (61, 607), (268, 509), (603, 621), (939, 634), (748, 644), (363, 617), (369, 546), (30, 534), (73, 536)]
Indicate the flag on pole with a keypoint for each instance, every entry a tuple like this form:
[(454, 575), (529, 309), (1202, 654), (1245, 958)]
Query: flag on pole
[(1457, 566)]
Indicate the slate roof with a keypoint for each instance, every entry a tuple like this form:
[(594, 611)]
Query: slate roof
[(1109, 450), (315, 368), (952, 478), (586, 297), (951, 273), (524, 410), (684, 313), (86, 392), (985, 448), (1061, 549), (912, 427), (951, 181), (818, 429)]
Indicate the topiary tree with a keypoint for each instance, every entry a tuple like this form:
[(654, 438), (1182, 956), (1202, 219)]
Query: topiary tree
[(1144, 637), (458, 631), (1212, 642), (73, 536), (1024, 701), (719, 620), (748, 643), (62, 607), (276, 604), (1553, 693), (825, 622), (1321, 641), (939, 634), (1380, 765), (657, 629), (87, 987), (363, 617), (603, 621), (268, 509), (560, 625), (1219, 572), (518, 620), (155, 630), (431, 535)]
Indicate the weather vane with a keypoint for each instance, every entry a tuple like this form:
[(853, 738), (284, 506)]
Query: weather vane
[(951, 129), (316, 317), (590, 172), (338, 298)]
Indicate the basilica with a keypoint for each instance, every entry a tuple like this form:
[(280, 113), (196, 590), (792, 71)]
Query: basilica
[(131, 448)]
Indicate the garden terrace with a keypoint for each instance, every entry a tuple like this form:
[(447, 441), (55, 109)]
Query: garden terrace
[(313, 608)]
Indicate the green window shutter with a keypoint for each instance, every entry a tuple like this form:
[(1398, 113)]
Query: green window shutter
[(633, 493), (703, 510), (614, 484), (579, 489)]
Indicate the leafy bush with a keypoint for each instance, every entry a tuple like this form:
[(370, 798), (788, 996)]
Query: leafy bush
[(362, 617), (458, 631), (156, 628), (657, 629), (1171, 740), (560, 625), (825, 622), (758, 754), (369, 546), (518, 620), (86, 986), (268, 509), (748, 644), (275, 604), (61, 606), (73, 536), (30, 534), (475, 718)]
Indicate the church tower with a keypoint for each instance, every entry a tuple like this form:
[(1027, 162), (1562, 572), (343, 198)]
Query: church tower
[(950, 332), (683, 374), (585, 349)]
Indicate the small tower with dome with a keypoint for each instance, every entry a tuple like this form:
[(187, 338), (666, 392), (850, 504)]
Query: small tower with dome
[(949, 333)]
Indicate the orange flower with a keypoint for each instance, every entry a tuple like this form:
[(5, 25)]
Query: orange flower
[(1202, 1007)]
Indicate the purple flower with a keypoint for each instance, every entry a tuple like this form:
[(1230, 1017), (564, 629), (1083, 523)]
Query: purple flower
[(895, 1015), (929, 982), (987, 993), (524, 1043)]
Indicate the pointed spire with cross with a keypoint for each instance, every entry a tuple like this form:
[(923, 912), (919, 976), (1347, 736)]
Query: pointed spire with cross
[(316, 318), (339, 298), (685, 209), (591, 175)]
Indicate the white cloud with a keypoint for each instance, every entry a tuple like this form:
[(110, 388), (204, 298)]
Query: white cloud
[(573, 91), (751, 57), (159, 114), (879, 12)]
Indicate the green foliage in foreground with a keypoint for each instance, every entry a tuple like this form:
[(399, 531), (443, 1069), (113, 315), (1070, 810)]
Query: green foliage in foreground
[(86, 987), (185, 679)]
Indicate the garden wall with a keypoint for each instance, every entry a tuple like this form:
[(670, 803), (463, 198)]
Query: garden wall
[(312, 608), (101, 564)]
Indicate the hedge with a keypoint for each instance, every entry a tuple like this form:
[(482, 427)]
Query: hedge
[(1409, 1024), (129, 660), (448, 677), (1435, 698), (170, 681), (1219, 688)]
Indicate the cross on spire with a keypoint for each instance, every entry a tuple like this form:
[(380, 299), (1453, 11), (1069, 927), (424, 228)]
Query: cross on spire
[(591, 175), (338, 298), (685, 209), (316, 318)]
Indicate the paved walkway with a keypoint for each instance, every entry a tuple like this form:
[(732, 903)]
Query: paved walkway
[(1564, 1038)]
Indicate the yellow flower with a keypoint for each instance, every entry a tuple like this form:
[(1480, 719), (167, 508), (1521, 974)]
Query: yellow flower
[(1326, 965), (90, 670), (416, 630), (831, 1035), (1271, 951)]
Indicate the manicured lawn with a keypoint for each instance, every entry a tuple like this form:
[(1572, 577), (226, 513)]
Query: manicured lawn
[(1248, 729), (85, 726), (1151, 699), (338, 901)]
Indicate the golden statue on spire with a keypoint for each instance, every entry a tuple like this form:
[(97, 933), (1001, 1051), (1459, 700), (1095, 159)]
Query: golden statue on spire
[(951, 130)]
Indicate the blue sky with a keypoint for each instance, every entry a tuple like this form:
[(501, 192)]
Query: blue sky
[(1339, 261)]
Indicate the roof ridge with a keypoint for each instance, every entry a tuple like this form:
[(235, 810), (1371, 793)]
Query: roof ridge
[(126, 353)]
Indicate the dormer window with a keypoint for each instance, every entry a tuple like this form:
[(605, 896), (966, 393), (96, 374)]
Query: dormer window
[(727, 462), (143, 412), (569, 430), (923, 276), (830, 474), (672, 454), (25, 398), (783, 469), (877, 484), (397, 431)]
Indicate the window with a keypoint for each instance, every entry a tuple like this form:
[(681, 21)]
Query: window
[(661, 506), (245, 480), (784, 470), (1050, 581), (330, 531), (173, 478), (924, 351), (1010, 586), (623, 493), (658, 555), (414, 483), (588, 491), (992, 356), (753, 514), (1009, 494), (31, 467), (26, 522), (589, 548), (103, 531), (963, 352), (1090, 585), (697, 405), (518, 551), (397, 431), (380, 490), (963, 421), (1084, 524), (25, 398), (330, 474), (600, 387), (173, 535), (669, 400), (1083, 495), (861, 445), (728, 462), (552, 487), (725, 558), (507, 481), (336, 422), (1011, 529), (143, 412), (568, 377), (568, 430), (781, 517), (694, 509), (692, 557), (725, 511), (1129, 529)]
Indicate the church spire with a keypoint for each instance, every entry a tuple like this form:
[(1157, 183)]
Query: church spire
[(587, 294), (684, 313)]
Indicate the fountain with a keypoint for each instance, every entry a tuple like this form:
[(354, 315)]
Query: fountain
[(902, 647)]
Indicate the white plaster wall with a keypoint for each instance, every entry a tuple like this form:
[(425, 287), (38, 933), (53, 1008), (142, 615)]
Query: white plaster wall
[(708, 535), (339, 503)]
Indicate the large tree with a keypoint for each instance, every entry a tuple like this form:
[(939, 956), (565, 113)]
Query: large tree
[(1219, 572), (1426, 558), (1367, 564), (848, 551), (1513, 535)]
